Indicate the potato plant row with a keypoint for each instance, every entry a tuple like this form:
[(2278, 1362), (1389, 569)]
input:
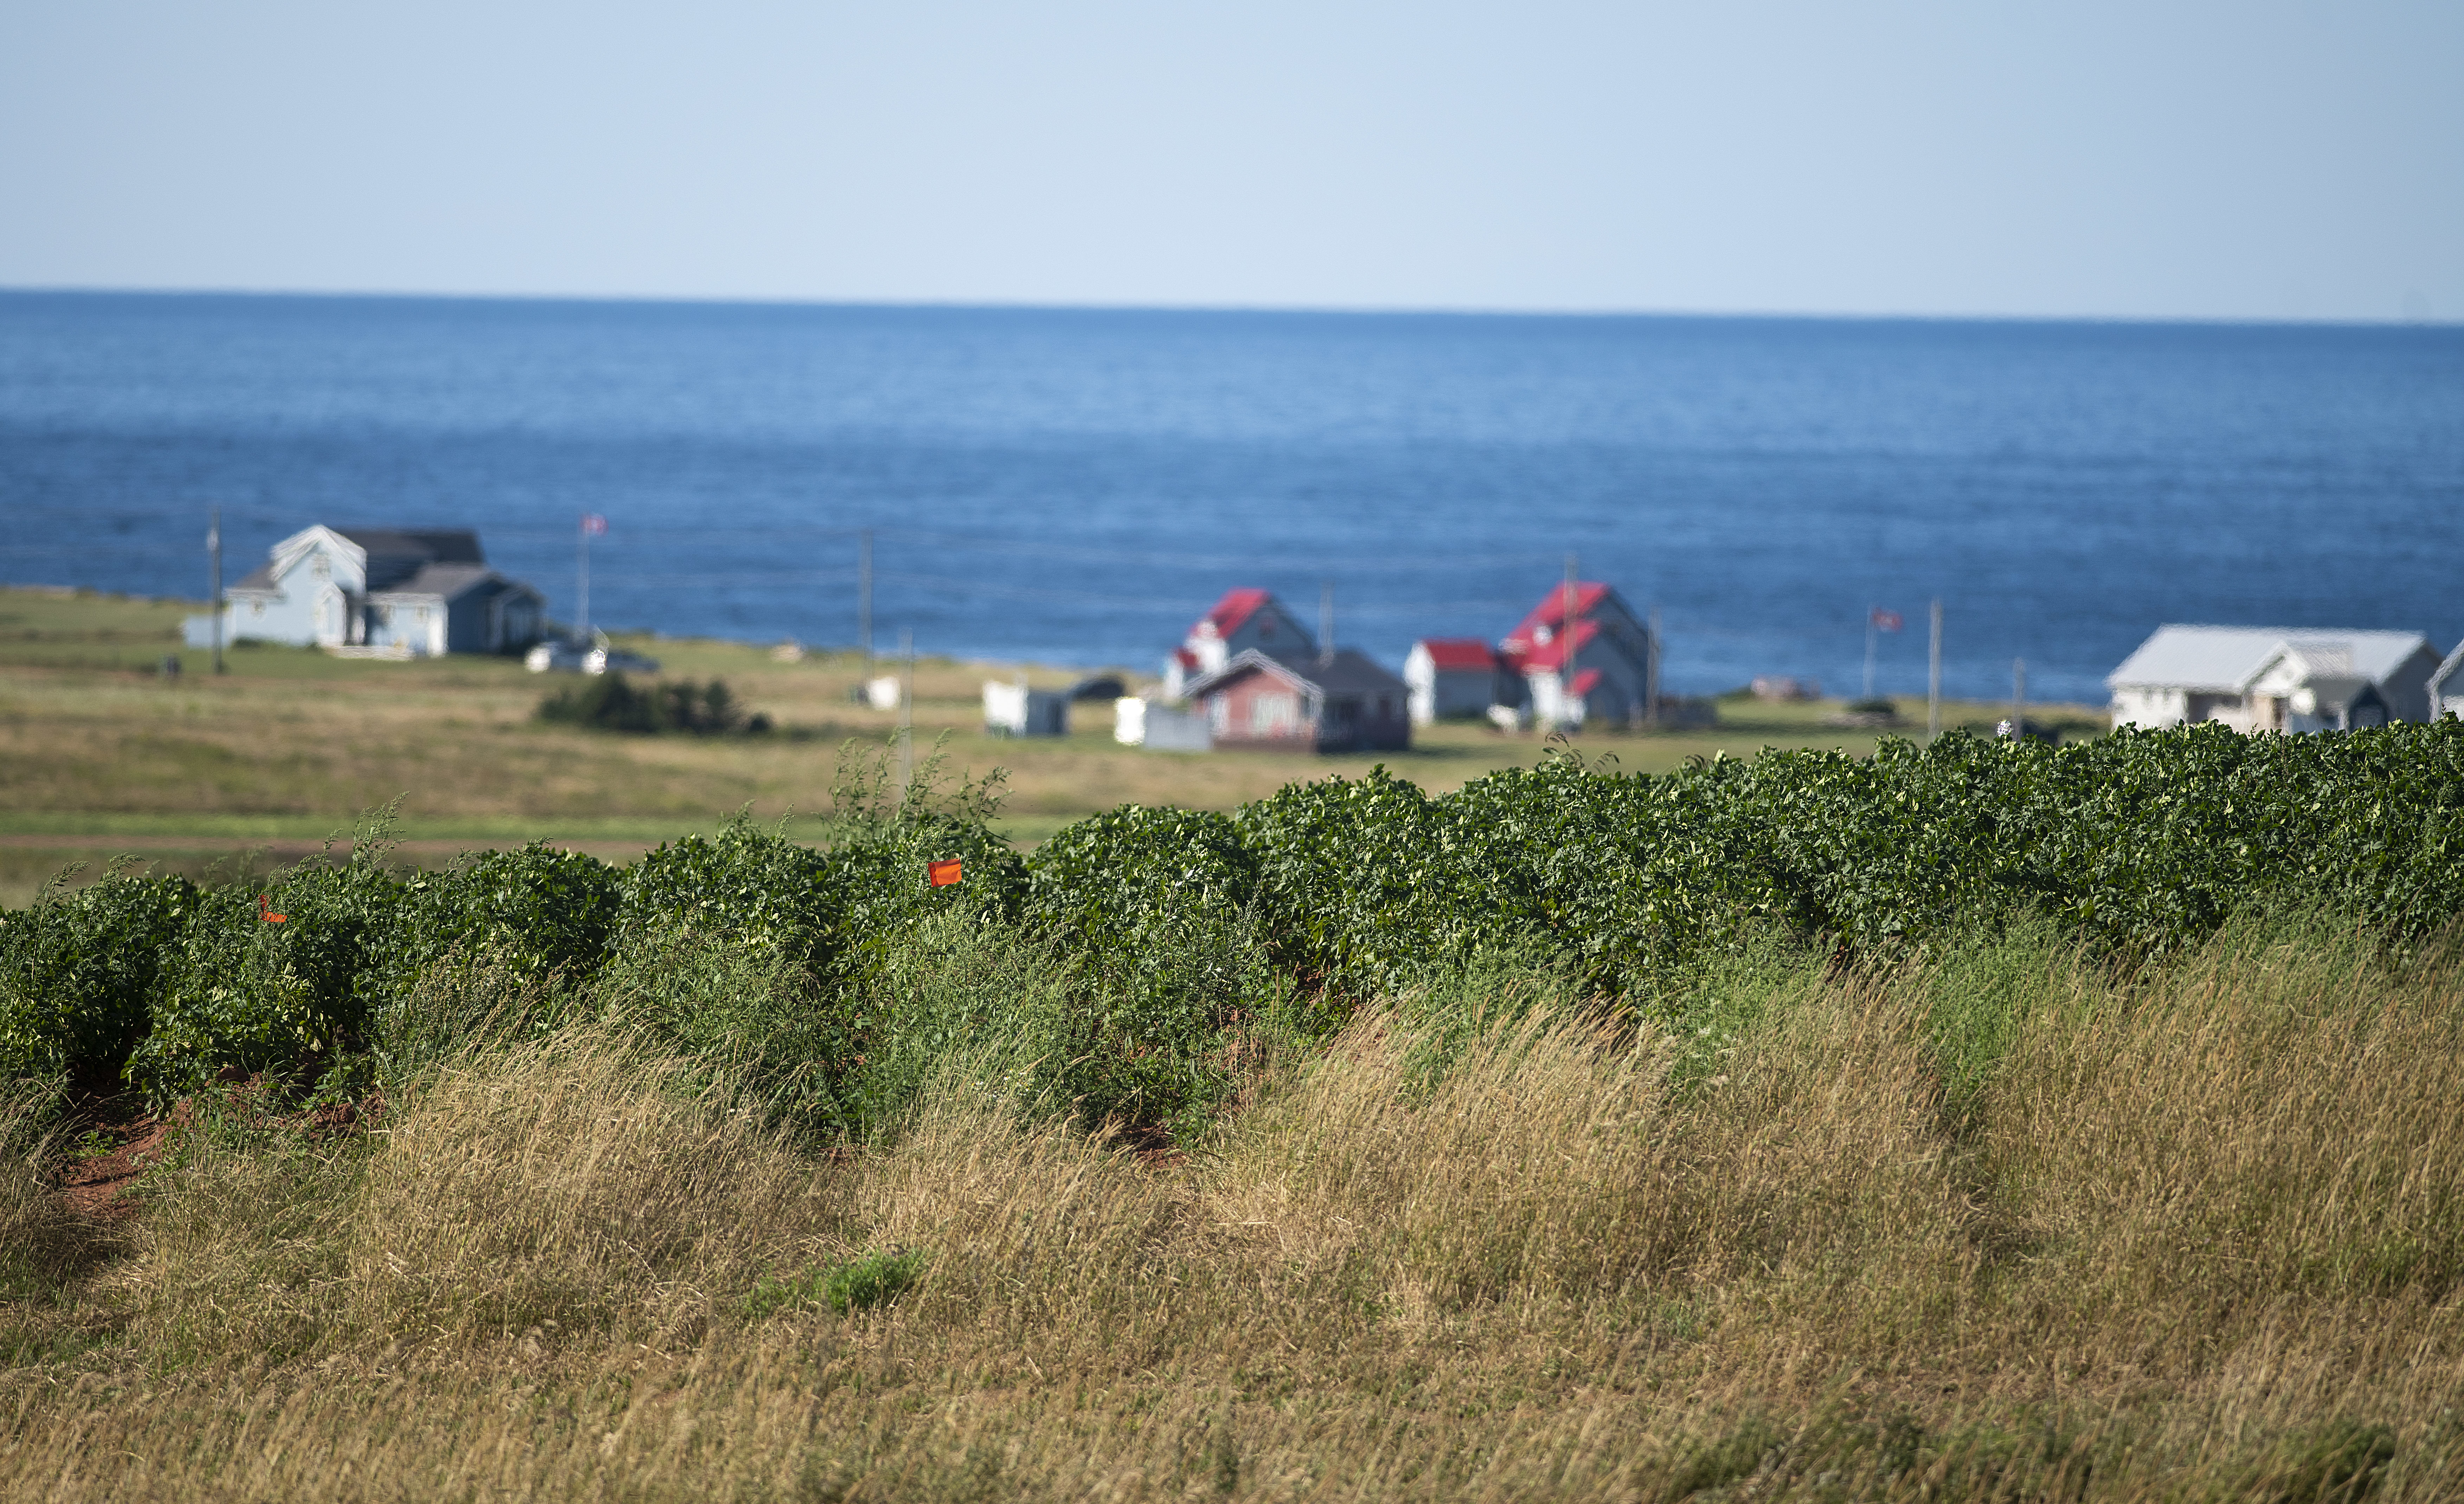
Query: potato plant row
[(1171, 923)]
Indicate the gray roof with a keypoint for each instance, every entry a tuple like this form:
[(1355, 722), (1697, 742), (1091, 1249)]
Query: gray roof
[(445, 581), (397, 553), (1351, 672), (2226, 658), (2445, 675)]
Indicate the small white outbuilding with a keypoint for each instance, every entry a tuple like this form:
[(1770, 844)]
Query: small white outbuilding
[(1138, 722), (1013, 709)]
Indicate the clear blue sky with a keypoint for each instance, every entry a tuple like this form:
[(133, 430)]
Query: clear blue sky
[(2148, 158)]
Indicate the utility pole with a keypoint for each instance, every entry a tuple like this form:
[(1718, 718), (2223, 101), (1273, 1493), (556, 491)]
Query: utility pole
[(905, 714), (582, 582), (214, 552), (1651, 675), (1566, 694), (1325, 623), (1933, 676), (864, 597)]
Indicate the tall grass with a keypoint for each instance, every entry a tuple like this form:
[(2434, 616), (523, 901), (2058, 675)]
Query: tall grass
[(2000, 1225)]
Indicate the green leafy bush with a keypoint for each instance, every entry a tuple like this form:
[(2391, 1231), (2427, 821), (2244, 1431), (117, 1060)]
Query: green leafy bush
[(1142, 952), (863, 1282), (609, 702), (249, 994), (75, 974)]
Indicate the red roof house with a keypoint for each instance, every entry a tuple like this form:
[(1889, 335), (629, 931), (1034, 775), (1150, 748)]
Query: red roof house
[(1242, 620), (1612, 651)]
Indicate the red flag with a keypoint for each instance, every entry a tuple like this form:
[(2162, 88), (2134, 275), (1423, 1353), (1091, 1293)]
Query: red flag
[(593, 524), (265, 911), (1887, 621), (943, 873)]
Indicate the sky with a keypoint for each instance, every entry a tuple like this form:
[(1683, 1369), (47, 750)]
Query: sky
[(2143, 159)]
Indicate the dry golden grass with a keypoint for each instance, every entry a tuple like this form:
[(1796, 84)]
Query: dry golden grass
[(2196, 1239)]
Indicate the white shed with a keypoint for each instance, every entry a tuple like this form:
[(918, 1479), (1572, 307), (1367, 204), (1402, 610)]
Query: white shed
[(1013, 709), (1138, 722)]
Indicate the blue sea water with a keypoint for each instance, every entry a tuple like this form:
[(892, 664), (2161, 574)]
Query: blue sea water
[(1077, 485)]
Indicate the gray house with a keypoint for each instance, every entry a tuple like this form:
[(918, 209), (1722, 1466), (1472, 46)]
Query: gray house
[(412, 592), (2274, 678)]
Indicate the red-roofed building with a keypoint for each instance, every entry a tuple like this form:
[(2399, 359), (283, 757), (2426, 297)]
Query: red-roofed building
[(1451, 677), (1242, 620), (1615, 675)]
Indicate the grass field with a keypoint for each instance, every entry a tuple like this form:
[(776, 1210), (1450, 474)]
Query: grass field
[(100, 754), (2001, 1226)]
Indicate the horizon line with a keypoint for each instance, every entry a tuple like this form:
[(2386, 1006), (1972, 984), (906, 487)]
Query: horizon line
[(1316, 310)]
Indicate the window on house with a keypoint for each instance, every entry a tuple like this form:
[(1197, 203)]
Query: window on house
[(1273, 716)]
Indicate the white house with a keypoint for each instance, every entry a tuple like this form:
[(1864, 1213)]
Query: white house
[(2274, 678), (2447, 686), (422, 591), (1450, 677), (1242, 621)]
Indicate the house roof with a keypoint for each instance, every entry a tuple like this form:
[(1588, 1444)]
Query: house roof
[(391, 555), (1458, 654), (444, 545), (1550, 613), (2446, 674), (2225, 659), (1551, 654), (1352, 671), (1237, 606), (441, 581)]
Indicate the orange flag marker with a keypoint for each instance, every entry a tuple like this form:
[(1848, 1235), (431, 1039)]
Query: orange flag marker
[(943, 873), (265, 911)]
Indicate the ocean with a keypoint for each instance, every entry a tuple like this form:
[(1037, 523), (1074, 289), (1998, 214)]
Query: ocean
[(1076, 486)]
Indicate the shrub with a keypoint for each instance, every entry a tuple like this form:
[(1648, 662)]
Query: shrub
[(610, 703), (861, 1283), (75, 973), (288, 997)]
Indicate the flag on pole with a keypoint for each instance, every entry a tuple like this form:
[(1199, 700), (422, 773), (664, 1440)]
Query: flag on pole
[(943, 873), (1886, 621), (594, 524)]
